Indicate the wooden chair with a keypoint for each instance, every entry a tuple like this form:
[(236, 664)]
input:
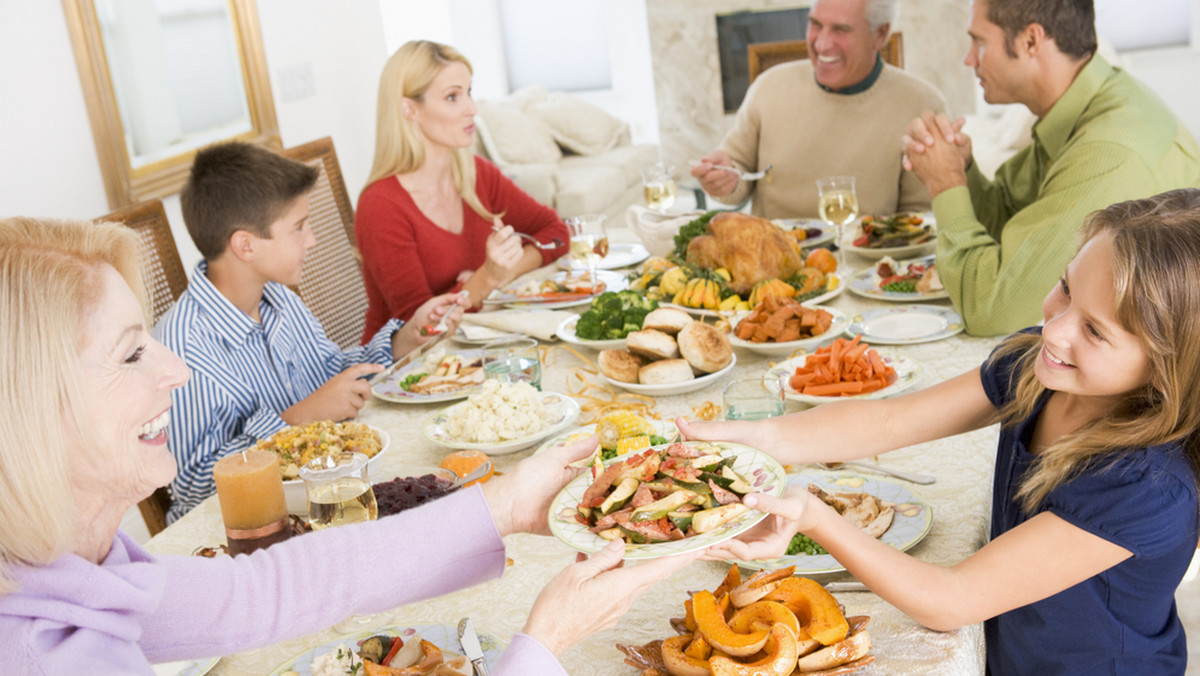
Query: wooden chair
[(331, 284), (165, 280), (763, 55)]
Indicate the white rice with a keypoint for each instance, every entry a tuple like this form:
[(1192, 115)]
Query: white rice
[(337, 662)]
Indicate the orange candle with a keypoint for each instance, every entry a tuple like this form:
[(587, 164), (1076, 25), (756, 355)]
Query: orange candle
[(250, 490)]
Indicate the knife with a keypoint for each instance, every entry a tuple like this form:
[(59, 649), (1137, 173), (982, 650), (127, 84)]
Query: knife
[(441, 334), (470, 645)]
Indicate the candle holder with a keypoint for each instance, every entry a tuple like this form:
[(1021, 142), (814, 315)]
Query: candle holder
[(250, 491)]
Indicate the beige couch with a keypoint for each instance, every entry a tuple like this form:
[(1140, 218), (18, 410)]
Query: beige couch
[(565, 152)]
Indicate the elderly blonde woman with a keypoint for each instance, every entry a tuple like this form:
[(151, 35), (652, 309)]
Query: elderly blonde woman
[(432, 218), (86, 392)]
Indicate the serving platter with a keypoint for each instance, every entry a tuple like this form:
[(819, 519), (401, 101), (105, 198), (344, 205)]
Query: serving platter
[(698, 383), (912, 521), (704, 313), (620, 255), (612, 281), (566, 332), (773, 349), (389, 389), (764, 473), (443, 636), (564, 410), (906, 324), (908, 374), (865, 283)]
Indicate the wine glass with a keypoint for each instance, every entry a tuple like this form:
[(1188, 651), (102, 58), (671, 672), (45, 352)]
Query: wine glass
[(339, 490), (838, 205), (658, 186), (589, 243)]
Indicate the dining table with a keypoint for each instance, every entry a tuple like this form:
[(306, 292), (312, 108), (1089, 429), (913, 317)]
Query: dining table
[(959, 501)]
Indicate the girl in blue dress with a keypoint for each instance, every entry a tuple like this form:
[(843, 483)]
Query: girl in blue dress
[(1094, 507)]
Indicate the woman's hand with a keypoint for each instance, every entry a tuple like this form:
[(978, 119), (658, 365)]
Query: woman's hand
[(769, 539), (420, 328), (520, 499), (593, 594), (504, 252)]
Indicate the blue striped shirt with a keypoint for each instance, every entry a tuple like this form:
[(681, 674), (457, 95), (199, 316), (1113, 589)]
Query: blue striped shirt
[(244, 373)]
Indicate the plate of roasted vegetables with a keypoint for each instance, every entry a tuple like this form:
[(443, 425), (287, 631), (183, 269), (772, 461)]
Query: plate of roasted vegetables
[(778, 327), (665, 500), (903, 235), (440, 376), (604, 325), (620, 433), (408, 649)]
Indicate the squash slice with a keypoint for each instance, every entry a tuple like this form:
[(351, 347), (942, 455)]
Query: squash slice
[(780, 659), (710, 621), (814, 606), (679, 662)]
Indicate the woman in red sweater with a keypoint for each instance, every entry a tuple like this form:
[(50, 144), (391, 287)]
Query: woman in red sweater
[(429, 221)]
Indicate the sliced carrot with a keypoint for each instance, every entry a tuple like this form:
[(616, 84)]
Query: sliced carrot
[(833, 389)]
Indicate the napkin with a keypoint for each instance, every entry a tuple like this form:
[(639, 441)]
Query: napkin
[(658, 230), (540, 324)]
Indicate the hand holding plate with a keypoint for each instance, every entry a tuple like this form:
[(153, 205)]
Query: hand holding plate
[(520, 499)]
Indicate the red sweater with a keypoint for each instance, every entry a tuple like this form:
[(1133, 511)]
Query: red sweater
[(408, 259)]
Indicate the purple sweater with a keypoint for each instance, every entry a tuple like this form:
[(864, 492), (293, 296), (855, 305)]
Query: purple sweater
[(135, 609)]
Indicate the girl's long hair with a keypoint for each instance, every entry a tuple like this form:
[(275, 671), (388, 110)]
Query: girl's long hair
[(399, 148), (1156, 270)]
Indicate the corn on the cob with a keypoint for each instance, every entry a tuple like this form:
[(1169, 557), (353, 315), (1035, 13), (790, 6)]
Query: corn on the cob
[(633, 444), (616, 426)]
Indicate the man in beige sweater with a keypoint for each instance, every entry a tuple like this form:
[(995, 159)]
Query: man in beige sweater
[(843, 112)]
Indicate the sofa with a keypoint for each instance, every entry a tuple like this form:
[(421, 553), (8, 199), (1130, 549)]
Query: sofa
[(565, 152)]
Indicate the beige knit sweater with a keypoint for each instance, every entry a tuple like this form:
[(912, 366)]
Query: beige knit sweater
[(806, 133)]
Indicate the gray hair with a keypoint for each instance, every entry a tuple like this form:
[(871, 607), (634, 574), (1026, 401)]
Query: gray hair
[(878, 12)]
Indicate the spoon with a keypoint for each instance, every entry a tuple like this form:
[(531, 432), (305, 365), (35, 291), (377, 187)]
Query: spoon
[(922, 479), (477, 473), (553, 244)]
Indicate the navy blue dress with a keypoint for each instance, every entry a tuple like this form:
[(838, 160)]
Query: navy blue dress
[(1122, 621)]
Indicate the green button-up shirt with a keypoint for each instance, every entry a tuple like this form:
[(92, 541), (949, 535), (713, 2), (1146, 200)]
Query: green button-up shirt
[(1003, 244)]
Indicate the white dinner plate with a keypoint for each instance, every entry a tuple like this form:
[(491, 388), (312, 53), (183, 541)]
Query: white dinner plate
[(906, 324), (828, 232), (911, 523), (564, 410), (188, 668), (865, 283), (612, 281), (443, 636), (912, 251), (773, 349), (908, 374), (620, 255), (566, 331), (698, 383), (389, 389), (762, 471)]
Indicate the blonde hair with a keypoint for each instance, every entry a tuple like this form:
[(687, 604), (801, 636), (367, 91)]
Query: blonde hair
[(49, 282), (399, 148), (1156, 253)]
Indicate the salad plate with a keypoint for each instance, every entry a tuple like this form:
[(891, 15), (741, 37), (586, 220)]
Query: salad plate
[(897, 252), (563, 409), (865, 283), (612, 281), (774, 349), (764, 473), (620, 255), (566, 331), (188, 668), (906, 324), (392, 389), (908, 374), (912, 521), (698, 383), (443, 636)]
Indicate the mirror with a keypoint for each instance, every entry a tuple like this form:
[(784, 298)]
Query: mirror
[(163, 78)]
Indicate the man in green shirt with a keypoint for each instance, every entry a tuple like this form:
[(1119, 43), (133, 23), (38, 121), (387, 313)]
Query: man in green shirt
[(1101, 137)]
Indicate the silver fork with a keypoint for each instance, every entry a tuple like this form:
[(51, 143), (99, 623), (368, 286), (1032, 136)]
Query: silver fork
[(922, 479), (744, 175), (554, 243)]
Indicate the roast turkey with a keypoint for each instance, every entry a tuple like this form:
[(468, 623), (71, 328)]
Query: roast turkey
[(751, 248)]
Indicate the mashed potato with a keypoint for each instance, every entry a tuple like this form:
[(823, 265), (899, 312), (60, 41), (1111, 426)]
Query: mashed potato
[(337, 662), (499, 412)]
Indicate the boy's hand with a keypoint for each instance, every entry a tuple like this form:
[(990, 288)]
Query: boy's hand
[(338, 399), (425, 321)]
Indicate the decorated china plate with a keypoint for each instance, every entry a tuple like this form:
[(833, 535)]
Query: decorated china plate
[(908, 374), (563, 409), (906, 324), (620, 255), (698, 383), (897, 252), (443, 636), (390, 390), (786, 348), (566, 331), (865, 283), (188, 668), (911, 523), (612, 281), (761, 470)]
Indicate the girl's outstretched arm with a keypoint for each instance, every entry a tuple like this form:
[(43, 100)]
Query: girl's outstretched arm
[(846, 430)]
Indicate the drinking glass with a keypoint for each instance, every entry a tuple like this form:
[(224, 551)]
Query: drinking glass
[(658, 185), (339, 490), (589, 243), (838, 205), (753, 398), (513, 360)]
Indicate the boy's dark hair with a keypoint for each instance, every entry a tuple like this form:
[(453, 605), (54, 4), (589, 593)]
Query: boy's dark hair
[(237, 186), (1070, 23)]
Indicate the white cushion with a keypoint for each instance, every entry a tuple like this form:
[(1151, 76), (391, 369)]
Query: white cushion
[(511, 136), (526, 97), (577, 125)]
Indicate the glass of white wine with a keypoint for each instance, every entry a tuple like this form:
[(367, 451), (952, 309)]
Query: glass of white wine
[(339, 490), (838, 206), (589, 243), (658, 186)]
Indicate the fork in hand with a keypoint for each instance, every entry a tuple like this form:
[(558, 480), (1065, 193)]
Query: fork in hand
[(744, 175), (553, 244)]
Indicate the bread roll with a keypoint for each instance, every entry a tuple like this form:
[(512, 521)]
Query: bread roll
[(704, 347), (652, 344), (667, 319), (620, 365), (665, 372)]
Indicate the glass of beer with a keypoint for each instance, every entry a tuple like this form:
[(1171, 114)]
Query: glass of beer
[(838, 206), (658, 186), (339, 491)]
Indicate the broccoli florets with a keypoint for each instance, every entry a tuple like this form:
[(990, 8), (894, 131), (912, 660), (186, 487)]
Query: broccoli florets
[(614, 315), (589, 326)]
